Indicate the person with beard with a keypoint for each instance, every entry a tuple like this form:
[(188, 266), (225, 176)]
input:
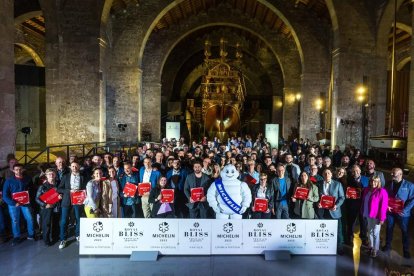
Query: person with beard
[(401, 189), (292, 169), (267, 161), (197, 179), (327, 164), (311, 162), (314, 177), (345, 163), (129, 207), (61, 168), (282, 189), (148, 175), (302, 161), (332, 188), (353, 207), (176, 179), (371, 172)]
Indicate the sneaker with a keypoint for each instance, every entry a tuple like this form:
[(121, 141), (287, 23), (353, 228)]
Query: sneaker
[(62, 244), (31, 238), (16, 241)]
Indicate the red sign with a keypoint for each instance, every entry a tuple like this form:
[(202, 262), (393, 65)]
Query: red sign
[(250, 180), (50, 197), (167, 195), (197, 194), (143, 188), (353, 193), (130, 189), (77, 197), (313, 179), (260, 205), (301, 193), (327, 202), (134, 169), (21, 197), (396, 205)]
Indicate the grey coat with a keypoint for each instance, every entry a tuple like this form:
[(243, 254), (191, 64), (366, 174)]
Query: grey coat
[(307, 211), (190, 183)]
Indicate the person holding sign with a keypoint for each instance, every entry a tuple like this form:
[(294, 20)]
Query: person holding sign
[(262, 198), (71, 184), (13, 185), (356, 182), (148, 175), (195, 188), (400, 192), (331, 189), (281, 186), (93, 194), (306, 194), (374, 210), (50, 219), (129, 202), (160, 209)]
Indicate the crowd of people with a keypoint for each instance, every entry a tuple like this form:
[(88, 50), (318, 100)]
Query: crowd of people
[(360, 193)]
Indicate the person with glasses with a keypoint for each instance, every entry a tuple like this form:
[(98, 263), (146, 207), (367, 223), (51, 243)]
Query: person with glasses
[(314, 177), (264, 190)]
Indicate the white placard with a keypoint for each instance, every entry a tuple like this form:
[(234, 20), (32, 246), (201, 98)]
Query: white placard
[(96, 236), (272, 134), (116, 236), (321, 237), (227, 236), (129, 235), (291, 235), (195, 237), (172, 130), (161, 235), (258, 236)]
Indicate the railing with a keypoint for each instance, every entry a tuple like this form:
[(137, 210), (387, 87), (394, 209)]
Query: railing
[(82, 150)]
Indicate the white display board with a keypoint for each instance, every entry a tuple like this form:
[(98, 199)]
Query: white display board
[(272, 134), (172, 130), (206, 236)]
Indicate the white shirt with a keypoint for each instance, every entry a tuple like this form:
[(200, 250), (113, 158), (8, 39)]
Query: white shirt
[(74, 182), (326, 187), (147, 175)]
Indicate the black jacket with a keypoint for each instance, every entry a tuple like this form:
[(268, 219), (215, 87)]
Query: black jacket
[(156, 204), (270, 192), (64, 188), (41, 190)]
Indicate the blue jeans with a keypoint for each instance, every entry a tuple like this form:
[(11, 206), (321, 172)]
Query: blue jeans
[(403, 223), (64, 220), (2, 222), (15, 218)]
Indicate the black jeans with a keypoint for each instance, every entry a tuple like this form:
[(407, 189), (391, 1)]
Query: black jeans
[(50, 225), (198, 212), (261, 215)]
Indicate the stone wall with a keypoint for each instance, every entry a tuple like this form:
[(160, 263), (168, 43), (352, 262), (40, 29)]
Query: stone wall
[(7, 97)]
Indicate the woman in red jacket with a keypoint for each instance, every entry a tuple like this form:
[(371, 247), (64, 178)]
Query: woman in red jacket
[(374, 209)]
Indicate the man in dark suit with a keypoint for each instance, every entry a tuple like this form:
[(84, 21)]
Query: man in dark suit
[(72, 181), (282, 187), (197, 179), (333, 188)]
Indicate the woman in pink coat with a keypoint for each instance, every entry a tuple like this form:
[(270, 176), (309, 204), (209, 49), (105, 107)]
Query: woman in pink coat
[(374, 209)]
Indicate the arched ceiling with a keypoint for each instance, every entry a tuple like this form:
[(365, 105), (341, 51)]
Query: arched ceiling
[(252, 8)]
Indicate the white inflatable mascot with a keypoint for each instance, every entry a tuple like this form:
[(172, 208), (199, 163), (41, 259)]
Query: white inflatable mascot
[(228, 196)]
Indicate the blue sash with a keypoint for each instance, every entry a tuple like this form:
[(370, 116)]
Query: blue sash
[(226, 198)]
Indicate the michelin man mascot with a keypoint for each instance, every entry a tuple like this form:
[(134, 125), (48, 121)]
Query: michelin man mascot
[(228, 196)]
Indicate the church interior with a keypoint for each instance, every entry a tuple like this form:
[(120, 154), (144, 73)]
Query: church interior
[(100, 71), (118, 70)]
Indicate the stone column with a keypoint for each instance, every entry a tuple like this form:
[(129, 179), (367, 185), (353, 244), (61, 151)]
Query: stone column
[(151, 110), (124, 103), (312, 86), (290, 111), (7, 95), (277, 110), (74, 100)]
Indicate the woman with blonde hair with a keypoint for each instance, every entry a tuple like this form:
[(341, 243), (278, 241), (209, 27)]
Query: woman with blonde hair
[(374, 210), (93, 194)]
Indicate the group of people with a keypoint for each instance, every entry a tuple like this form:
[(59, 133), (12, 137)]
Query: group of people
[(340, 185)]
